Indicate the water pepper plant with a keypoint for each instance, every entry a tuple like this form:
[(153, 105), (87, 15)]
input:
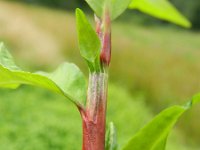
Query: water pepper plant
[(91, 98)]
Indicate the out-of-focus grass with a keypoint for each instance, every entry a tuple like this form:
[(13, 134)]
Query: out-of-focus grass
[(163, 62), (34, 119), (160, 63)]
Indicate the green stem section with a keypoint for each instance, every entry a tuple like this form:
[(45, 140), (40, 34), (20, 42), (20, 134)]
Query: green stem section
[(94, 117)]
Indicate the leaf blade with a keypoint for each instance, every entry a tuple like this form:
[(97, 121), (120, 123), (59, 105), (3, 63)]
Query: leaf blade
[(70, 80), (149, 131), (154, 135), (115, 7), (161, 9), (97, 6), (89, 42), (10, 77)]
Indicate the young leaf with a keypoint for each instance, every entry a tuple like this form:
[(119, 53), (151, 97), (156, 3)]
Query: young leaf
[(97, 6), (111, 138), (89, 42), (118, 7), (67, 80), (154, 135), (162, 9), (115, 7)]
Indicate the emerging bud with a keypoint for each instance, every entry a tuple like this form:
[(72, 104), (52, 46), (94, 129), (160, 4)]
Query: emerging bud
[(105, 56)]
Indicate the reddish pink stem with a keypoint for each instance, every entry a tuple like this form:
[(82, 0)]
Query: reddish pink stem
[(94, 117), (106, 40)]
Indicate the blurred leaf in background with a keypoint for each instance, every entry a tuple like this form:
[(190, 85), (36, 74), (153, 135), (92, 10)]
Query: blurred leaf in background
[(161, 9), (191, 9)]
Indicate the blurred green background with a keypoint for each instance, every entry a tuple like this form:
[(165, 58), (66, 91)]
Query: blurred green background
[(154, 65)]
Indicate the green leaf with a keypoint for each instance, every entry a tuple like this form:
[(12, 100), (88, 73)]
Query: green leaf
[(97, 6), (111, 138), (195, 100), (116, 7), (89, 42), (154, 135), (67, 80), (161, 9)]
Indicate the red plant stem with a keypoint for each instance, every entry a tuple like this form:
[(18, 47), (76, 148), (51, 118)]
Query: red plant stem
[(94, 117)]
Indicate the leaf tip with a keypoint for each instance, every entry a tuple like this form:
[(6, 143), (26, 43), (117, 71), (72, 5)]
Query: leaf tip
[(196, 99), (184, 22), (188, 24), (78, 12)]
